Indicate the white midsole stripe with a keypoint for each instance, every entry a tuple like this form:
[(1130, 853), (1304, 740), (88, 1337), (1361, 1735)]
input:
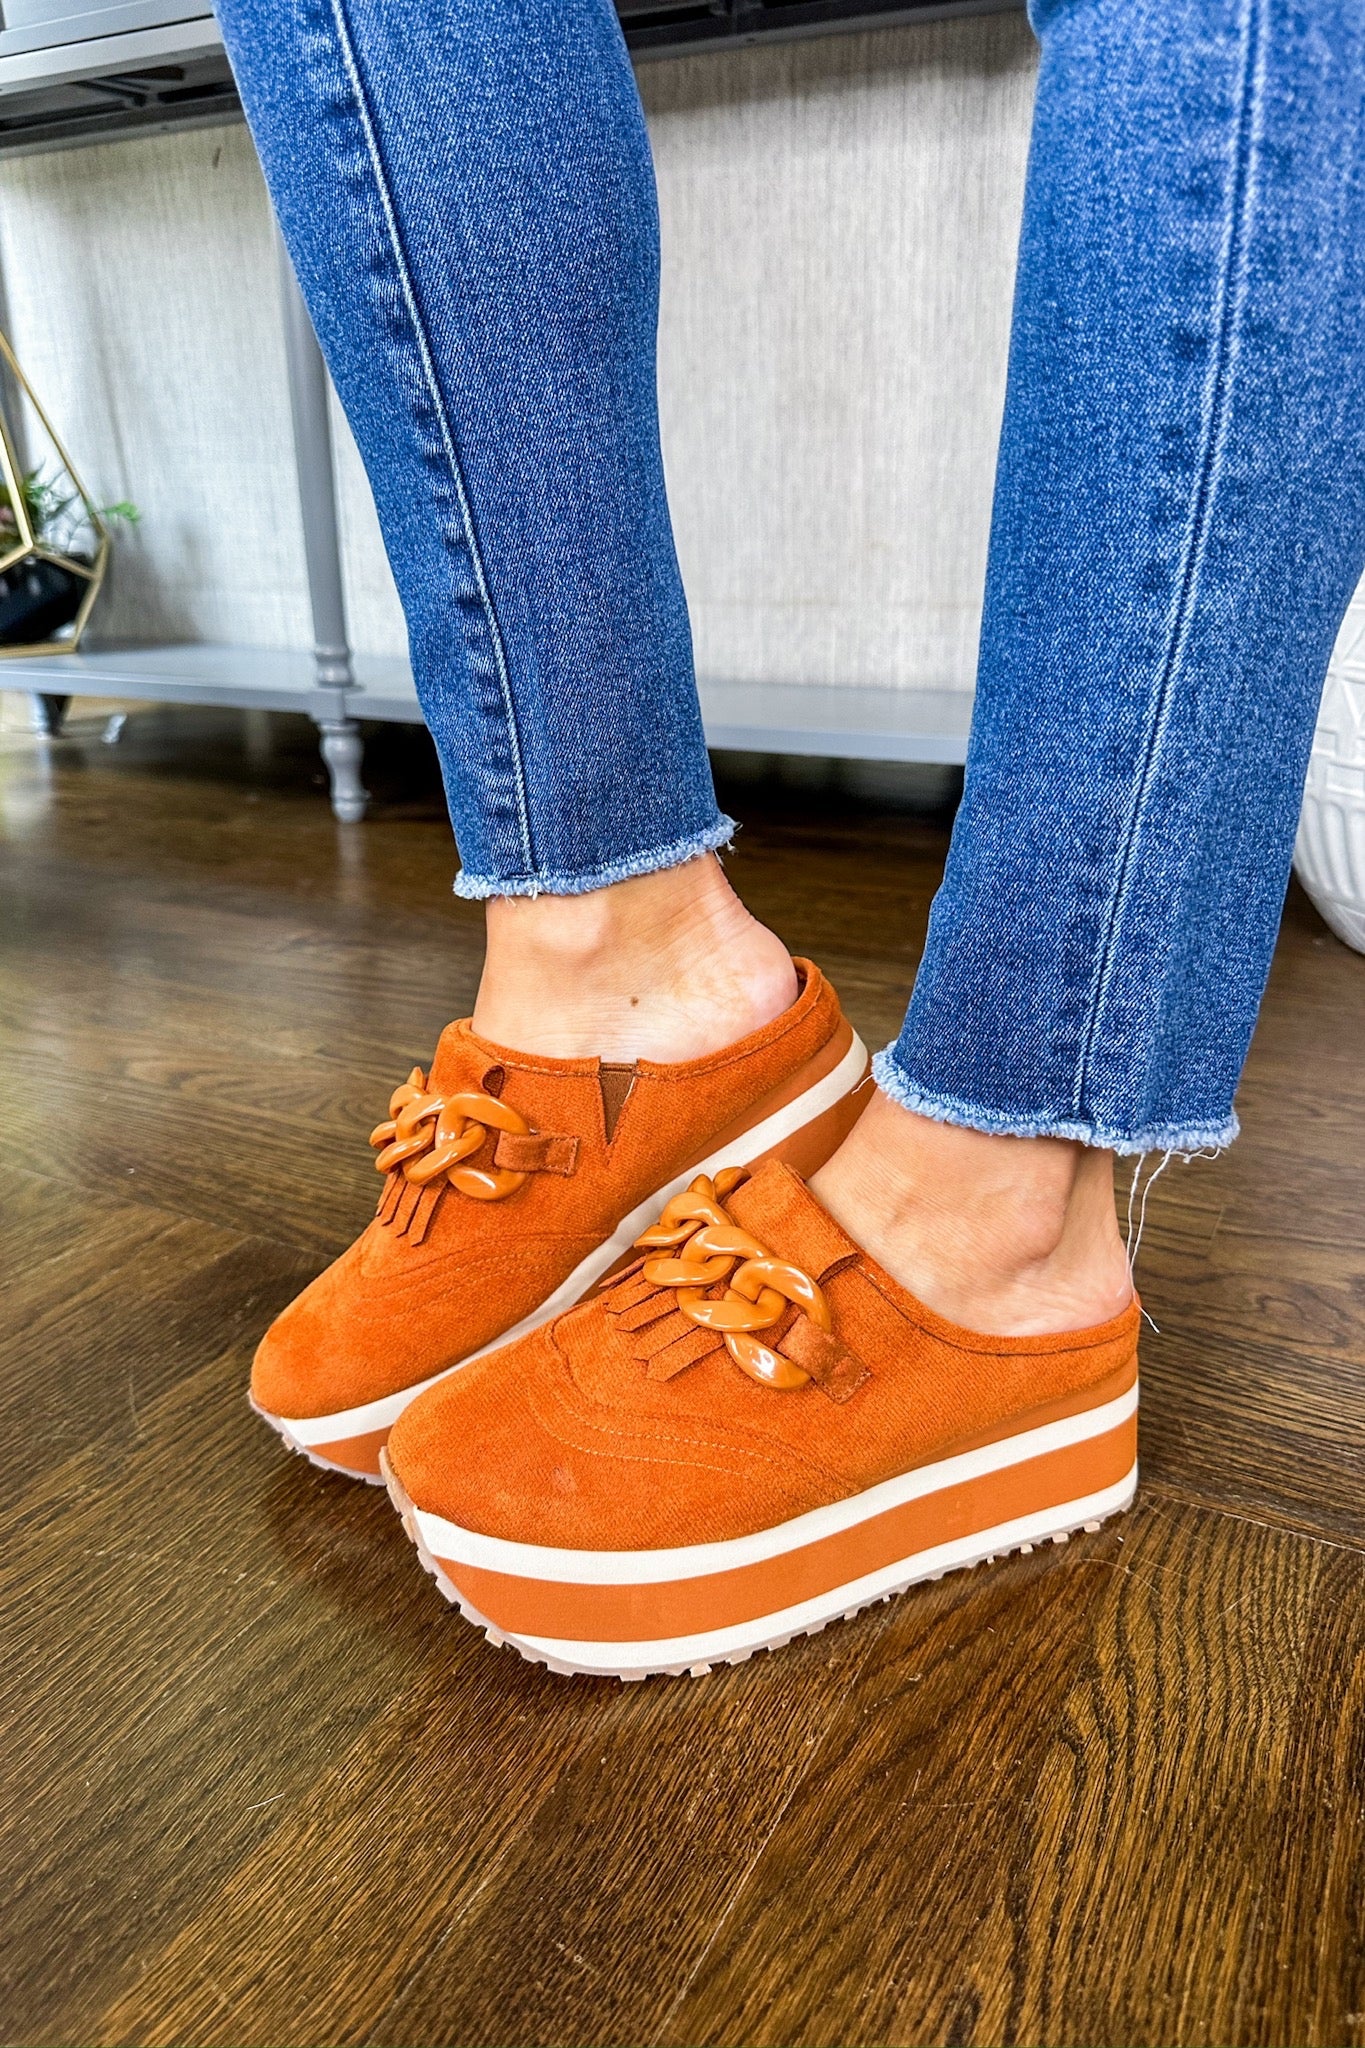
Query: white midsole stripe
[(446, 1540), (615, 1658), (382, 1414)]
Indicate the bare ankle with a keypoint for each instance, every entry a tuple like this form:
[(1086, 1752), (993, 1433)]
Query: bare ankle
[(667, 966), (1010, 1236)]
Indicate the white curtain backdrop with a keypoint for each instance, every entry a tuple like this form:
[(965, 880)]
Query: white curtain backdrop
[(839, 222)]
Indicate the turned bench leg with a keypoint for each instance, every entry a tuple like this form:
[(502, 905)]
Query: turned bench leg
[(48, 712), (343, 750), (339, 736)]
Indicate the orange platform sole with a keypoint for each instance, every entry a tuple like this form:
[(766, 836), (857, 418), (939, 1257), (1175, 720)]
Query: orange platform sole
[(631, 1614)]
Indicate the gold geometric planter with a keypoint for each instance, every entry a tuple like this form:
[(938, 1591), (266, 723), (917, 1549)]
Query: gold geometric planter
[(26, 545)]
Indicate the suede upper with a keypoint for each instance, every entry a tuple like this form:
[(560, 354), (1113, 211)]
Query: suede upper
[(593, 1434), (400, 1306)]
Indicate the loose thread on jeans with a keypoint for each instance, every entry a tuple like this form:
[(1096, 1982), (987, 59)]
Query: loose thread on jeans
[(1132, 1246), (1132, 1190), (1152, 1179)]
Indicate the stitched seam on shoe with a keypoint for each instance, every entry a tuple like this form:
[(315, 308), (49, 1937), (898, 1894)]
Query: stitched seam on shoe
[(660, 1073), (986, 1349), (719, 1062), (758, 1454), (631, 1448), (658, 1451), (728, 1056), (494, 1258)]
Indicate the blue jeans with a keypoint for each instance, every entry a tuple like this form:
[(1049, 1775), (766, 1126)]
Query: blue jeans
[(466, 191)]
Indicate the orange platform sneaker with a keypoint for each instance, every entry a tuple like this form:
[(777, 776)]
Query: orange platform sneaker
[(747, 1433), (512, 1184)]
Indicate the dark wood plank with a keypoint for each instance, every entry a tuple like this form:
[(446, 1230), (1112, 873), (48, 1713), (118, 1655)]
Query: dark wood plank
[(284, 1176), (271, 1066), (194, 1624), (37, 1219), (606, 1904), (796, 1900), (1256, 1430), (81, 1360), (1307, 1965), (519, 1831), (1253, 1267), (262, 1788), (1052, 1811)]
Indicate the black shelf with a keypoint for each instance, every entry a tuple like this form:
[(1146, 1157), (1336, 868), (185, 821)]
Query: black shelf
[(181, 95), (151, 71), (660, 28)]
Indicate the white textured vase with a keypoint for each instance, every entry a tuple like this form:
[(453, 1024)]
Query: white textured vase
[(1329, 853)]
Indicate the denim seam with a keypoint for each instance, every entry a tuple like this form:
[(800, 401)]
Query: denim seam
[(1219, 399), (1180, 1139), (437, 397), (478, 888)]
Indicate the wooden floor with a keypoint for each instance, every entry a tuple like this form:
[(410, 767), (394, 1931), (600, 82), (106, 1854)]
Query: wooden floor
[(261, 1787)]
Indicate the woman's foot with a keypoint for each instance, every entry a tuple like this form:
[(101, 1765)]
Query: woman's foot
[(1012, 1236), (668, 966)]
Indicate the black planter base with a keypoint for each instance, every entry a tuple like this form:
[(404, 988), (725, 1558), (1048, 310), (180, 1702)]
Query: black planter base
[(37, 598)]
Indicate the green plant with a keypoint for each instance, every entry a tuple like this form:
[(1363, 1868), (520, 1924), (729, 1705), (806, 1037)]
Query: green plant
[(46, 504)]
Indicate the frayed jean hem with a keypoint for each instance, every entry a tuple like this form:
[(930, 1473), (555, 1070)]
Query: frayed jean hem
[(478, 888), (948, 1109)]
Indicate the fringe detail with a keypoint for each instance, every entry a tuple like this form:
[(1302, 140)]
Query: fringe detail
[(406, 1208)]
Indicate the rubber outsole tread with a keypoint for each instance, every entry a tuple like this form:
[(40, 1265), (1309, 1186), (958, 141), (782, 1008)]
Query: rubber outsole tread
[(452, 1594)]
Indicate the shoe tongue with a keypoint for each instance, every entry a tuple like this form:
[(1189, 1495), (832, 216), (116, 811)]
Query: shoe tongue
[(778, 1207)]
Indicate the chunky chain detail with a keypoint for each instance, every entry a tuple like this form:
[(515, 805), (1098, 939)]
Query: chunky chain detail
[(427, 1136), (697, 1244)]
